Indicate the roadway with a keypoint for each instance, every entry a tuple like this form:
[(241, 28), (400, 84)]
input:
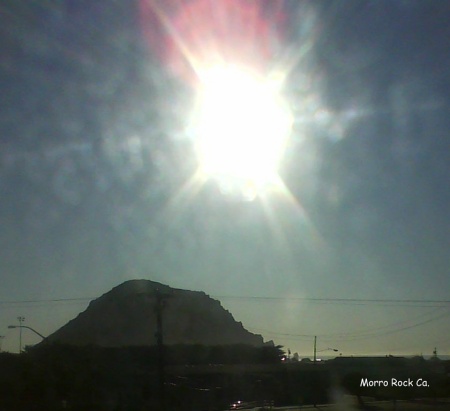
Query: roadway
[(351, 404)]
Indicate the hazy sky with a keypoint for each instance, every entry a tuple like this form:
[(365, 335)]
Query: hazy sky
[(95, 160)]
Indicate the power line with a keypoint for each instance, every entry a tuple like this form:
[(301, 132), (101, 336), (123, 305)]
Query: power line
[(353, 336), (357, 301), (398, 329), (363, 334), (308, 336), (384, 327), (338, 300), (55, 300)]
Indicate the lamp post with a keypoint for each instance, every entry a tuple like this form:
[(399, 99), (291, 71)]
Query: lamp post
[(315, 348), (28, 328), (21, 320), (325, 349), (315, 395)]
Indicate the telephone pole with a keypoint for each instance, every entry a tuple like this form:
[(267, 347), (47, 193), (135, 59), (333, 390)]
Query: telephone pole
[(315, 348), (159, 307)]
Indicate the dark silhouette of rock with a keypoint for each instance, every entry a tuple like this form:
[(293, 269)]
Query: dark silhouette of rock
[(125, 316)]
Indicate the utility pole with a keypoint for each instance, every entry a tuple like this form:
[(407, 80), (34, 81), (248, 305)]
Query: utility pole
[(21, 320), (160, 304), (315, 348), (315, 380)]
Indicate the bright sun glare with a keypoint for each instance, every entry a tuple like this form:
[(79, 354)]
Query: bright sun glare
[(241, 126)]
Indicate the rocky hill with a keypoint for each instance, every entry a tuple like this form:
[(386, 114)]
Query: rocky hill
[(125, 316)]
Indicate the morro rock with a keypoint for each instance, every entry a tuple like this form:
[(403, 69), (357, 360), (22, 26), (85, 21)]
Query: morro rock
[(126, 316)]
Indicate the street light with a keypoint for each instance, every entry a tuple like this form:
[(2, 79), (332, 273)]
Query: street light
[(325, 349), (315, 362), (29, 328), (21, 320)]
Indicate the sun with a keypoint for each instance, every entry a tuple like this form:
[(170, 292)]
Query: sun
[(241, 126)]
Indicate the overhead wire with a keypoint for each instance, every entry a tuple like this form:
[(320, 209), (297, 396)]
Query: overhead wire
[(336, 335), (374, 332), (48, 300), (354, 336), (362, 301)]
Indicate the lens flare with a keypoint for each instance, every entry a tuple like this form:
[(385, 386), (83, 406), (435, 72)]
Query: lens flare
[(187, 33)]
